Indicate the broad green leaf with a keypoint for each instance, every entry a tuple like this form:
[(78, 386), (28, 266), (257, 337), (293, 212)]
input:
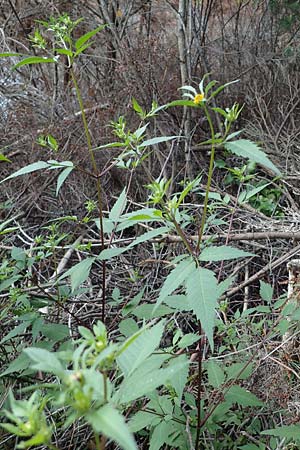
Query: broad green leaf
[(265, 291), (222, 253), (140, 348), (216, 375), (44, 360), (245, 196), (176, 278), (146, 311), (248, 149), (21, 363), (79, 273), (28, 169), (290, 432), (84, 38), (234, 371), (160, 435), (119, 206), (202, 296), (3, 158), (19, 329), (142, 382), (179, 380), (157, 140), (111, 423), (33, 60), (55, 331), (188, 339), (112, 252), (62, 177), (140, 420), (179, 302), (128, 327), (241, 396)]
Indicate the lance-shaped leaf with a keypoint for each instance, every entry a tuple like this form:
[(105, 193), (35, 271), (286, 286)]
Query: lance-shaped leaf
[(248, 149), (176, 278), (202, 295)]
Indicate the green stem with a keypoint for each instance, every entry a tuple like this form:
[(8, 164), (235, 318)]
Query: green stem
[(98, 184), (97, 441), (209, 178)]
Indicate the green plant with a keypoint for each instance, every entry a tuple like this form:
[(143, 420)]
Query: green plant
[(98, 379)]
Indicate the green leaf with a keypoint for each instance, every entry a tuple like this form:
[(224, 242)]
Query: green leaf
[(179, 380), (146, 311), (160, 435), (119, 206), (216, 375), (112, 252), (176, 278), (28, 169), (137, 107), (202, 297), (19, 329), (182, 103), (248, 149), (241, 396), (18, 365), (8, 54), (111, 423), (55, 331), (62, 177), (188, 339), (140, 420), (222, 253), (143, 346), (265, 291), (3, 158), (79, 273), (290, 432), (128, 327), (157, 140), (85, 37), (143, 382), (44, 360), (33, 60), (234, 371)]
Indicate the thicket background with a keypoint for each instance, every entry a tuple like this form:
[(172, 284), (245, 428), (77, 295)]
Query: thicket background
[(149, 50)]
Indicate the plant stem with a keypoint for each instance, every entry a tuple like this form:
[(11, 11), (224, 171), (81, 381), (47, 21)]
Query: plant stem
[(209, 178), (98, 184)]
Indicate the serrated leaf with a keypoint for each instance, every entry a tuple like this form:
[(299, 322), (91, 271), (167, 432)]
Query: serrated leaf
[(201, 287), (290, 432), (176, 278), (111, 423), (143, 346), (239, 395), (222, 253), (265, 291), (141, 382), (44, 360), (179, 380), (249, 150), (79, 273), (215, 373), (157, 140)]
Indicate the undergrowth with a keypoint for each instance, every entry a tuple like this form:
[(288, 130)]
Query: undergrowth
[(163, 364)]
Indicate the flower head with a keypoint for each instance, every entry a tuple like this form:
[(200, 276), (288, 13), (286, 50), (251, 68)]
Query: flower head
[(198, 99)]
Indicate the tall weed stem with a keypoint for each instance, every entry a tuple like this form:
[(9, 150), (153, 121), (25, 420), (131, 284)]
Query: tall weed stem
[(98, 184)]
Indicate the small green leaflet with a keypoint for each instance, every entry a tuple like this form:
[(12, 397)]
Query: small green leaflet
[(248, 149), (265, 291), (222, 253), (111, 423), (202, 297), (44, 360), (62, 177), (3, 158), (83, 39), (119, 206)]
